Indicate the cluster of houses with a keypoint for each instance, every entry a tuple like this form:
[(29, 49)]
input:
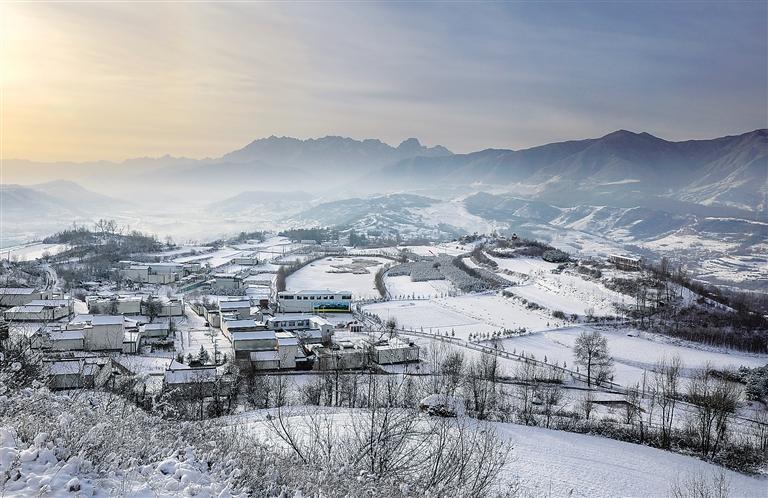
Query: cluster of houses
[(29, 304), (296, 336), (110, 334)]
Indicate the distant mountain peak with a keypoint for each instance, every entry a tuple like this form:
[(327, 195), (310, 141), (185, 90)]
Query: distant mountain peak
[(409, 144)]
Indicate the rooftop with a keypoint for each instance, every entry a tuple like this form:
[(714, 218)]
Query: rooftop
[(17, 290), (255, 335), (26, 309), (190, 375), (107, 320), (322, 291)]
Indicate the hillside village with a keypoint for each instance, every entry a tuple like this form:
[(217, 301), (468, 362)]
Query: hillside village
[(491, 326)]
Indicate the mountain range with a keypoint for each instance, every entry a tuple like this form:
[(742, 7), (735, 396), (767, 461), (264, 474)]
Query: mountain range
[(621, 167)]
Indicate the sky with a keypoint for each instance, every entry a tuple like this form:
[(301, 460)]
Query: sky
[(87, 81)]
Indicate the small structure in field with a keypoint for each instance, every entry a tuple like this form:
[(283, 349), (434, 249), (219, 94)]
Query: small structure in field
[(625, 262)]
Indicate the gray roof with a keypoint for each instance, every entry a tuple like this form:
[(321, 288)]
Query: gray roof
[(17, 290), (252, 336), (26, 309), (108, 320)]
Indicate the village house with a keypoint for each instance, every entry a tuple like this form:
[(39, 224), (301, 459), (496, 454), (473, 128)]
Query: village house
[(19, 296), (100, 332), (314, 301), (41, 310)]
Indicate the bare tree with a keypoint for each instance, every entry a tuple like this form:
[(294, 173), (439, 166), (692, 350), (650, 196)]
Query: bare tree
[(153, 308), (701, 485), (714, 399), (632, 404), (591, 350), (666, 388), (587, 403)]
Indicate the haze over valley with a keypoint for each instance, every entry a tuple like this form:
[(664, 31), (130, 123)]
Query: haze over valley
[(384, 249)]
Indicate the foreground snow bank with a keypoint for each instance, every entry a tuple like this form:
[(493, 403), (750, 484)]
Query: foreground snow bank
[(44, 468), (92, 444)]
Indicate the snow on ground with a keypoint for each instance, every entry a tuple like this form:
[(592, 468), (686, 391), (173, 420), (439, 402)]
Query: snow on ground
[(558, 292), (546, 462), (632, 355), (322, 275), (44, 471), (28, 252), (556, 463), (401, 286), (459, 217), (193, 333), (450, 248), (465, 314)]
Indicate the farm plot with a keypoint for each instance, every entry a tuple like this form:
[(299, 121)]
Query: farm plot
[(326, 274), (402, 287), (632, 355), (463, 315)]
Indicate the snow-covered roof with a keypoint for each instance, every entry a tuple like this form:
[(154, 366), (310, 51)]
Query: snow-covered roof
[(265, 356), (286, 339), (107, 320), (156, 326), (234, 304), (190, 375), (241, 323), (66, 367), (318, 320), (26, 309), (256, 335), (17, 290), (322, 291), (66, 335), (50, 302)]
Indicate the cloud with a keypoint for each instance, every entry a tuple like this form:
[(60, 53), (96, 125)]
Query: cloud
[(86, 81)]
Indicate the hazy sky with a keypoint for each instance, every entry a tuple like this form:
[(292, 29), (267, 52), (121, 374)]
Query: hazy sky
[(111, 81)]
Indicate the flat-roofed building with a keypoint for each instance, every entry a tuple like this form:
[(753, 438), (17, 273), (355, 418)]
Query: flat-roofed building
[(100, 332), (114, 305), (287, 348), (36, 313), (265, 360), (314, 301), (625, 262), (394, 351), (241, 308), (18, 296), (246, 342)]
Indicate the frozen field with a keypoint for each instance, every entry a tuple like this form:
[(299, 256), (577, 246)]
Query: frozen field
[(321, 274), (632, 355), (402, 287), (470, 313)]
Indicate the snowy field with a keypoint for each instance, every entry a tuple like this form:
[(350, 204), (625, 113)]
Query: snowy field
[(562, 292), (402, 287), (457, 213), (632, 355), (469, 313), (556, 463), (546, 462), (321, 274), (29, 252)]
